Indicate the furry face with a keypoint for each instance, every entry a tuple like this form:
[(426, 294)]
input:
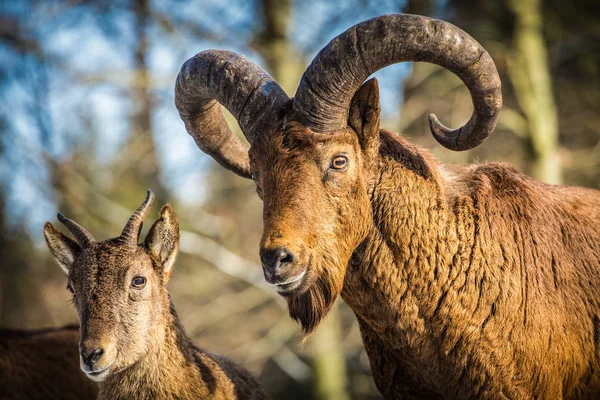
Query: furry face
[(119, 289), (119, 299), (316, 212)]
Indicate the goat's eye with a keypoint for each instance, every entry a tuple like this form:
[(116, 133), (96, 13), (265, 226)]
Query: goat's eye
[(138, 282), (70, 289), (339, 163)]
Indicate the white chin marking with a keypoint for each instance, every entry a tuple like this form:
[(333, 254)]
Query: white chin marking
[(97, 376), (291, 283)]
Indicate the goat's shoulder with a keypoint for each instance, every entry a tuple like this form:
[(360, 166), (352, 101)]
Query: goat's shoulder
[(489, 179), (412, 157), (503, 182), (222, 374)]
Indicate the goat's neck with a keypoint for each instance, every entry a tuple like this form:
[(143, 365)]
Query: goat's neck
[(167, 370), (398, 270)]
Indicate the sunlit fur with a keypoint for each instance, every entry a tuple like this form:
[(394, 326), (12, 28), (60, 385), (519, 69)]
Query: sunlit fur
[(467, 281), (146, 352), (297, 181)]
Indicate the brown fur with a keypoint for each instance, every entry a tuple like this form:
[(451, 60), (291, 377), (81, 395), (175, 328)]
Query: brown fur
[(147, 354), (42, 364), (467, 281)]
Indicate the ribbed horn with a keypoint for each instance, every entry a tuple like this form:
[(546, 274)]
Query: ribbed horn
[(131, 232), (246, 90), (83, 237), (336, 73)]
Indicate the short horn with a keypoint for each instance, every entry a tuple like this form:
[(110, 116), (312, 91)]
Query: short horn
[(246, 90), (336, 73), (131, 232), (83, 237)]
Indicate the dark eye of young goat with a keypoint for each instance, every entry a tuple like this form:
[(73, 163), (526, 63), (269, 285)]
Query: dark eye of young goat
[(138, 282), (339, 162), (70, 289)]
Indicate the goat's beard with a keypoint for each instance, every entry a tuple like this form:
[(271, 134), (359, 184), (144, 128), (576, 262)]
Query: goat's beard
[(311, 307)]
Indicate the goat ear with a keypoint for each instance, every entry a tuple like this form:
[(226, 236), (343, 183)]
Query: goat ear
[(364, 115), (64, 249), (163, 240)]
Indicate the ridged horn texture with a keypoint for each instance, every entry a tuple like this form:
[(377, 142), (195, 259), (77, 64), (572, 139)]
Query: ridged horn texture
[(83, 237), (336, 73), (246, 90), (131, 232)]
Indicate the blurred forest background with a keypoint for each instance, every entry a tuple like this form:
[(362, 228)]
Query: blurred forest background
[(87, 123)]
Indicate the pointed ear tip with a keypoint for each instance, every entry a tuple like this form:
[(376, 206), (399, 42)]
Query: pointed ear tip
[(374, 87), (48, 226), (369, 91), (167, 212), (167, 209)]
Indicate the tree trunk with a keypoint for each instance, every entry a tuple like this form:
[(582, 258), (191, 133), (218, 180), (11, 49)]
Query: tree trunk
[(532, 82), (274, 46), (330, 377)]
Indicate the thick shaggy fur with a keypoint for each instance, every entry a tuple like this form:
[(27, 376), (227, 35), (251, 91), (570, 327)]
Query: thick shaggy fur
[(477, 281), (42, 364), (467, 281)]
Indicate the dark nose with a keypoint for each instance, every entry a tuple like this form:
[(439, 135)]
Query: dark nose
[(90, 357), (274, 260)]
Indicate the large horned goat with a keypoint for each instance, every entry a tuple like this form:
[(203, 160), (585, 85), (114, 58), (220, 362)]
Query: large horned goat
[(468, 281)]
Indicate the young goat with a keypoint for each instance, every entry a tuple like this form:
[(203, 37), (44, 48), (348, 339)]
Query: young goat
[(132, 342), (42, 364)]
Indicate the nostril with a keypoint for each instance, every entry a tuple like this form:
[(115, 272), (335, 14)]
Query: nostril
[(90, 357), (96, 354), (270, 257), (286, 257), (274, 258)]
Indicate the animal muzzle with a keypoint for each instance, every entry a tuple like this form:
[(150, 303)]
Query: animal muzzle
[(91, 357), (282, 267), (96, 356)]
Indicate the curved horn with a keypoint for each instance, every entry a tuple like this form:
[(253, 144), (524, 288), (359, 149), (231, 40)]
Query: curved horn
[(131, 232), (246, 90), (84, 238), (336, 73)]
